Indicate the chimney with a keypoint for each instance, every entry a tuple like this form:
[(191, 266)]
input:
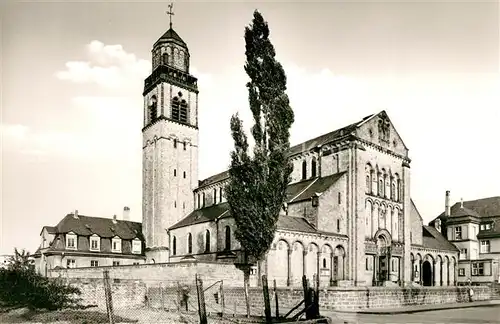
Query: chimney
[(75, 214), (447, 204), (114, 219), (126, 213), (461, 203), (437, 225)]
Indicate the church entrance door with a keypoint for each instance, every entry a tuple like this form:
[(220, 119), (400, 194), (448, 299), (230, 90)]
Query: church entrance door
[(426, 273)]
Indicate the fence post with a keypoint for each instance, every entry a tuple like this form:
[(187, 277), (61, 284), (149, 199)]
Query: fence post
[(267, 302), (201, 300), (222, 297), (107, 295), (161, 296), (276, 300)]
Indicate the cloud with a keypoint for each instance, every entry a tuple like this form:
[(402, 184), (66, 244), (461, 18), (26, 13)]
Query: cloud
[(110, 67), (14, 131)]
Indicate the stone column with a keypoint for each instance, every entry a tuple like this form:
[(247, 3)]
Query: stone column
[(332, 279), (420, 272), (434, 277), (318, 267), (455, 273), (413, 270), (375, 269), (304, 262), (289, 264), (441, 273)]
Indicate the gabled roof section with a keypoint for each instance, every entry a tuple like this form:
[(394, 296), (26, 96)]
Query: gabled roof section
[(318, 187), (415, 209), (214, 179), (211, 213), (297, 224), (326, 138), (49, 229), (432, 239), (203, 215), (104, 227)]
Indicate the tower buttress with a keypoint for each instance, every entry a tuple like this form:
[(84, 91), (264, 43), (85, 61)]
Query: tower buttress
[(170, 143)]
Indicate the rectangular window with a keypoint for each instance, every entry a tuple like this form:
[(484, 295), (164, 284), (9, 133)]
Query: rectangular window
[(461, 272), (71, 263), (481, 227), (340, 198), (487, 226), (136, 246), (474, 269), (485, 246), (94, 243), (338, 225), (458, 233), (135, 263), (94, 263), (116, 245), (116, 263)]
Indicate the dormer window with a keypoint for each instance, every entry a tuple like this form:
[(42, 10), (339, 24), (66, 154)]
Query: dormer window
[(95, 243), (71, 241), (116, 245), (136, 246)]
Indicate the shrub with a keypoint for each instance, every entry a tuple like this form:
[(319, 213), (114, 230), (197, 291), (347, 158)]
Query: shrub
[(26, 288)]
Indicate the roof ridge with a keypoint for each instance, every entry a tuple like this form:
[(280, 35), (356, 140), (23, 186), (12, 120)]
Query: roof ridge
[(300, 193)]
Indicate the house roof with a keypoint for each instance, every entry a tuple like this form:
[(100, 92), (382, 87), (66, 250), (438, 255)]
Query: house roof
[(50, 229), (485, 207), (104, 227), (432, 239)]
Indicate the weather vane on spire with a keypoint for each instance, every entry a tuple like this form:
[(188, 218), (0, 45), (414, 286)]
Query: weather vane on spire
[(170, 13)]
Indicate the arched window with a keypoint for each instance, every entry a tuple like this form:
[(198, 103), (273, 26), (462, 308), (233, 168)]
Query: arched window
[(324, 263), (399, 193), (313, 167), (304, 170), (228, 238), (198, 200), (369, 174), (215, 196), (381, 187), (153, 110), (174, 246), (175, 172), (184, 112), (165, 59), (175, 142), (207, 241), (175, 108), (190, 243), (393, 191), (220, 194), (203, 199)]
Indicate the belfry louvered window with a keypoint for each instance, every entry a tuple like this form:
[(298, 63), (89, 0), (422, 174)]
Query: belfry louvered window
[(175, 108), (184, 112)]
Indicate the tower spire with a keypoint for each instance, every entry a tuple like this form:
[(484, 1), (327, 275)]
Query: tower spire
[(170, 13)]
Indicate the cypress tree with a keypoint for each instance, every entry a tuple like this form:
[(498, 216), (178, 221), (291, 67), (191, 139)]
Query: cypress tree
[(257, 183)]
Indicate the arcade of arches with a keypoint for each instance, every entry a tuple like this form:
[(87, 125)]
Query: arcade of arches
[(289, 260), (431, 268)]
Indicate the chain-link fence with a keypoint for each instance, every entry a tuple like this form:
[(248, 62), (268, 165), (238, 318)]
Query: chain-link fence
[(196, 300)]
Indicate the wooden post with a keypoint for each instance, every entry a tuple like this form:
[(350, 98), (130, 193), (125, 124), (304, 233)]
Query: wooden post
[(107, 295), (222, 297), (305, 285), (267, 303), (201, 300), (276, 300), (161, 296), (316, 299)]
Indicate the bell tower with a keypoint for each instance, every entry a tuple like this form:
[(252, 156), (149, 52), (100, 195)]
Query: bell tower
[(170, 142)]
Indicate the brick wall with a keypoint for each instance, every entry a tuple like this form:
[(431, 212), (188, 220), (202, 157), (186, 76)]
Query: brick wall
[(335, 298)]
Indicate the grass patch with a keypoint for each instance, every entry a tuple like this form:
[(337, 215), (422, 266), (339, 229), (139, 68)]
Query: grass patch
[(69, 316)]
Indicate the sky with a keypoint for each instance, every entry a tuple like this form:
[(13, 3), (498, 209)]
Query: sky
[(72, 79)]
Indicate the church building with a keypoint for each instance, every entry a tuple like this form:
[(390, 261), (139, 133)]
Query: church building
[(349, 217)]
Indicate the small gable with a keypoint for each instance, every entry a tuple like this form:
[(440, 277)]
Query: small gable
[(379, 130)]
